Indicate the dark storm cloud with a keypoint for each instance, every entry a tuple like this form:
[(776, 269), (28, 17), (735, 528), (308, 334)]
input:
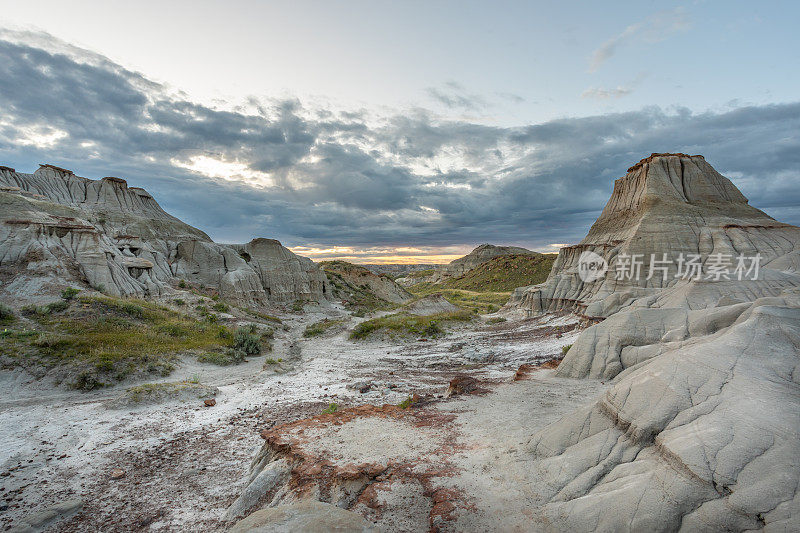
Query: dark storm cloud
[(325, 177)]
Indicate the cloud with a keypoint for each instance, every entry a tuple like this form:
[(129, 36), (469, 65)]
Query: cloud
[(453, 96), (653, 29), (618, 92), (604, 94), (318, 178)]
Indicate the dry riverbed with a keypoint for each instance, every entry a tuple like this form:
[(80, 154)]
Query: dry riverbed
[(71, 463)]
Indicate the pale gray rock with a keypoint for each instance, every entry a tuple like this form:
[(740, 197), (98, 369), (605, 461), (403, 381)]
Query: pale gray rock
[(42, 520), (350, 278), (430, 305), (702, 438), (59, 229), (303, 517), (674, 204), (702, 424)]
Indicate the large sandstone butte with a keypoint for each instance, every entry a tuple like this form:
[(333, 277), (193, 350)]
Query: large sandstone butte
[(674, 204), (700, 429), (58, 229)]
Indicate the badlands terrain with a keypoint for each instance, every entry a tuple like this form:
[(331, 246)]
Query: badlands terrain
[(154, 380)]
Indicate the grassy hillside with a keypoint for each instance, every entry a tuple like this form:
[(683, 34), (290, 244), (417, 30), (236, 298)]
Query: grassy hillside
[(99, 340), (505, 273), (488, 286)]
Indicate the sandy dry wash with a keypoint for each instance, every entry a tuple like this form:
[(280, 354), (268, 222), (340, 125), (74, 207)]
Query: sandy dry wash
[(184, 464)]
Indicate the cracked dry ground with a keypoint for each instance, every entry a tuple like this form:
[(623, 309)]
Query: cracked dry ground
[(455, 465)]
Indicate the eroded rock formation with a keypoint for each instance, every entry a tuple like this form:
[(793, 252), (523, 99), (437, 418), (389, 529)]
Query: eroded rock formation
[(59, 229), (669, 204), (701, 425)]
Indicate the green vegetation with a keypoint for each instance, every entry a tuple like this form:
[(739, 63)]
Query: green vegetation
[(247, 340), (44, 310), (178, 301), (487, 287), (496, 320), (6, 315), (262, 316), (220, 307), (565, 349), (318, 328), (505, 273), (107, 339), (297, 306), (421, 273), (480, 302), (408, 402), (18, 334), (223, 358), (332, 408), (69, 293), (182, 284), (405, 324)]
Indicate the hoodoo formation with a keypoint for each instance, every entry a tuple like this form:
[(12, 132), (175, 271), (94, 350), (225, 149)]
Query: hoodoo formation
[(58, 229)]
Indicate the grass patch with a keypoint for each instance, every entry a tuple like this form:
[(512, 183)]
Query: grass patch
[(224, 358), (318, 328), (332, 408), (496, 320), (405, 324), (45, 310), (488, 286), (108, 339), (263, 316), (565, 349), (481, 302)]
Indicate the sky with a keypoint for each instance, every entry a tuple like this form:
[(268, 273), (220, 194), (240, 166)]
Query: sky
[(400, 131)]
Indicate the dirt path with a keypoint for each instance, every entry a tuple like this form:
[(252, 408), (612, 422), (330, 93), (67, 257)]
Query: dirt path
[(183, 464)]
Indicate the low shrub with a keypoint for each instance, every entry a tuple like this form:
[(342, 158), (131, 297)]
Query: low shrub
[(69, 293), (565, 349), (408, 402), (220, 307), (332, 408), (6, 315), (246, 340)]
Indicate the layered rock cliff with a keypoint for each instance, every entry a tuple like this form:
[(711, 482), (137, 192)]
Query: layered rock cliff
[(59, 229), (702, 424), (672, 204)]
